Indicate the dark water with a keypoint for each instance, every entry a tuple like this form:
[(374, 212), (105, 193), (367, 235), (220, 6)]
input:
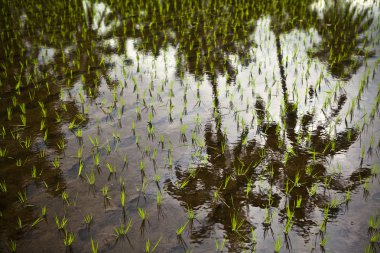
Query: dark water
[(259, 118)]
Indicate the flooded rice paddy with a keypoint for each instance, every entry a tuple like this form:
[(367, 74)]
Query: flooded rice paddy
[(189, 126)]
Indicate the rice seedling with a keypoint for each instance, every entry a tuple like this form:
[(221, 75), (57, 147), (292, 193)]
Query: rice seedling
[(299, 201), (19, 223), (142, 213), (87, 219), (111, 169), (69, 239), (375, 170), (277, 244), (180, 230), (122, 198), (236, 223), (38, 220), (94, 246), (190, 213), (268, 217), (220, 247), (12, 246), (61, 223), (43, 211), (65, 197), (3, 186), (22, 197), (105, 192), (149, 248), (374, 223), (3, 152), (323, 241), (90, 178), (122, 230)]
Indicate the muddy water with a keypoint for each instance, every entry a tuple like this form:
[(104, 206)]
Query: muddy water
[(261, 120)]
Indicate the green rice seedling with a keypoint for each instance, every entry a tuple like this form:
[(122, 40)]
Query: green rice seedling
[(22, 108), (110, 168), (56, 162), (249, 187), (374, 222), (97, 159), (334, 203), (142, 165), (3, 186), (180, 230), (158, 198), (313, 190), (296, 182), (91, 178), (19, 162), (3, 152), (42, 125), (61, 144), (61, 224), (219, 248), (65, 197), (268, 217), (235, 223), (94, 142), (375, 170), (43, 109), (9, 113), (148, 248), (183, 132), (122, 198), (3, 133), (150, 130), (38, 220), (299, 201), (12, 246), (43, 211), (226, 180), (366, 186), (322, 226), (190, 213), (277, 244), (42, 153), (22, 197), (94, 246), (72, 124), (137, 141), (122, 230), (58, 118), (80, 152), (19, 223), (69, 239), (80, 168), (142, 213), (288, 226), (347, 196), (323, 241), (87, 219), (27, 142), (369, 249), (45, 135), (133, 128), (79, 133), (253, 238), (105, 193)]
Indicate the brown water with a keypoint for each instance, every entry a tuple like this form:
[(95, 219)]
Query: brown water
[(262, 118)]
